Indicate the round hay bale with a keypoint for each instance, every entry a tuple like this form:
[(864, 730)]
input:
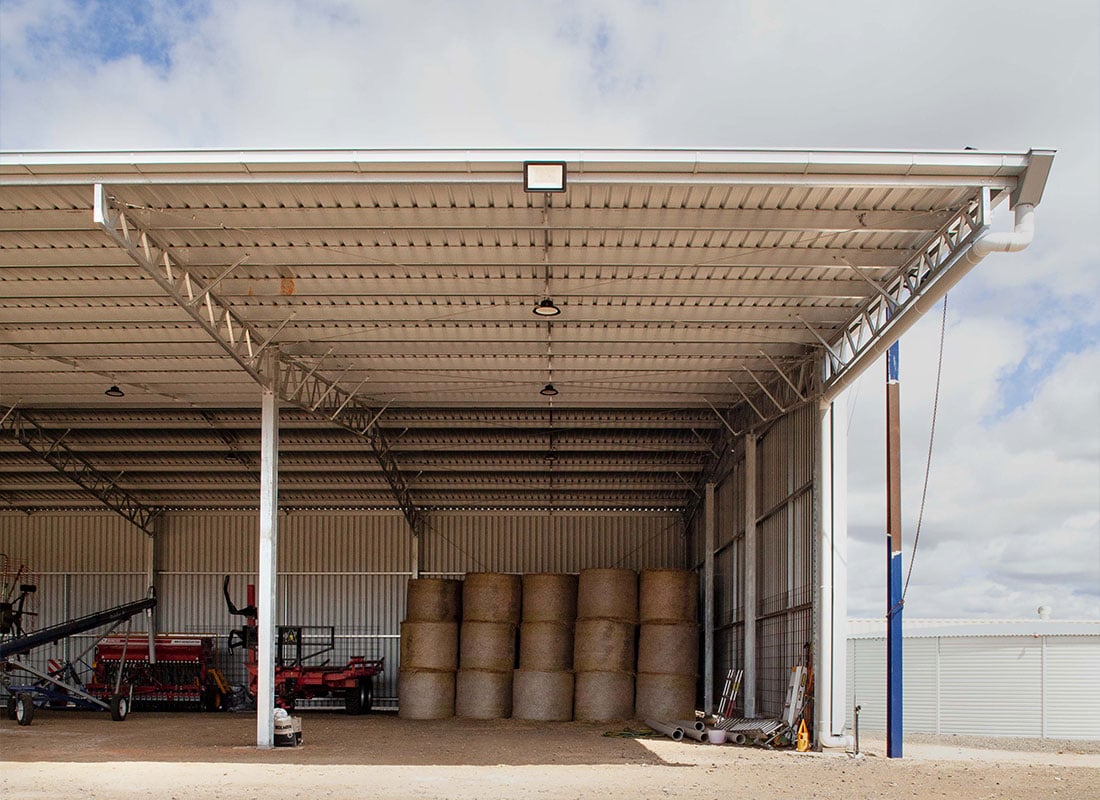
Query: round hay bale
[(608, 594), (491, 597), (544, 696), (487, 645), (603, 645), (549, 597), (665, 696), (425, 695), (483, 694), (603, 696), (668, 595), (545, 646), (429, 646), (433, 600), (672, 648)]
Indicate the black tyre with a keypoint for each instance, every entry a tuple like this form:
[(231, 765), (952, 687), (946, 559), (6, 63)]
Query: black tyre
[(120, 707), (24, 709), (11, 706), (358, 699)]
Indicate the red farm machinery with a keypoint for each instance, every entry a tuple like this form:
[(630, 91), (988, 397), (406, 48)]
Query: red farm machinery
[(301, 672), (181, 674)]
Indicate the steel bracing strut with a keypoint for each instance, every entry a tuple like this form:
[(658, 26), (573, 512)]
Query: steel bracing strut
[(293, 381), (868, 332), (52, 449)]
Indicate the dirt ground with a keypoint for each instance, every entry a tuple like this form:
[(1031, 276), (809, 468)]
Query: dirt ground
[(161, 755)]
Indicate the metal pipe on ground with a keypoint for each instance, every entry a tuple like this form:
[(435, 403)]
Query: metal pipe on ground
[(673, 732), (698, 736)]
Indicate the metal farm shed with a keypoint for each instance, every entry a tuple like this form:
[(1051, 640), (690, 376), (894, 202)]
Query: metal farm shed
[(362, 324)]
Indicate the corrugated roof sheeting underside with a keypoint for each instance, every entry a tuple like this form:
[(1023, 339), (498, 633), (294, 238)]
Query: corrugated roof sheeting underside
[(683, 294)]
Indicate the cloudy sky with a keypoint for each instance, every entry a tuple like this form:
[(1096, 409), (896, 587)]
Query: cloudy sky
[(1012, 518)]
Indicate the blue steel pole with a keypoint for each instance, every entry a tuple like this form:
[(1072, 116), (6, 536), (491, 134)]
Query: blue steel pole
[(894, 734)]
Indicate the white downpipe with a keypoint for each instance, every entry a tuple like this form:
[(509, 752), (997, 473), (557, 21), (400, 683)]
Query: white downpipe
[(1020, 237), (830, 704)]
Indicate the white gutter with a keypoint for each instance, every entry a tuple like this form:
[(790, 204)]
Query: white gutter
[(1012, 242)]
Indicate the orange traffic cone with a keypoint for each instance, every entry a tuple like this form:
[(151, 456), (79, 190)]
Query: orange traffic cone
[(803, 738)]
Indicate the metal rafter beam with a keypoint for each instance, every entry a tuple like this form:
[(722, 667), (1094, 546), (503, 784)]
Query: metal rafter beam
[(51, 448), (297, 383), (869, 328)]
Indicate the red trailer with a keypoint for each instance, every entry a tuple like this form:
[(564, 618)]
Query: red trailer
[(298, 675)]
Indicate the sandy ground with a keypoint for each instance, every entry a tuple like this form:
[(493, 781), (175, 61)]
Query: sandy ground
[(84, 754)]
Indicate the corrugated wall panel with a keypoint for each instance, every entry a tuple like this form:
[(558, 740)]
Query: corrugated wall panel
[(920, 685), (85, 542), (1071, 702), (771, 565), (867, 666), (216, 543), (987, 684), (457, 543), (81, 563)]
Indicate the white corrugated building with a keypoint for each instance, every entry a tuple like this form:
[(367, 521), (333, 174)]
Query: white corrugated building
[(1024, 678)]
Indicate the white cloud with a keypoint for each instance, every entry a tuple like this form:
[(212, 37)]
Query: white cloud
[(1013, 515)]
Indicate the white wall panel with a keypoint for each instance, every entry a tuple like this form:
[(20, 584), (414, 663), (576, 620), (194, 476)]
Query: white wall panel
[(988, 684), (983, 685), (1070, 696)]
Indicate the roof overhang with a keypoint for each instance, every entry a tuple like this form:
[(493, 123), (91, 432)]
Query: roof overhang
[(729, 285)]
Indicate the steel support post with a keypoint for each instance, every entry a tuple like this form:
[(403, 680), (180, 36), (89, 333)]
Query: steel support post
[(893, 555), (708, 602), (831, 571), (265, 595), (749, 603)]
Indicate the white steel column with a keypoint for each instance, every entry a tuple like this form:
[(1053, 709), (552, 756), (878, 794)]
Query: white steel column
[(749, 666), (708, 602), (265, 593), (831, 623)]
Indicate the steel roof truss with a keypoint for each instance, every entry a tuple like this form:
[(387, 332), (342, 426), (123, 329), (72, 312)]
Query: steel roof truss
[(312, 392), (871, 324), (52, 449)]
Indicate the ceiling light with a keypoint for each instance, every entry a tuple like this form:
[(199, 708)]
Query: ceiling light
[(544, 176), (548, 390), (114, 391), (546, 308)]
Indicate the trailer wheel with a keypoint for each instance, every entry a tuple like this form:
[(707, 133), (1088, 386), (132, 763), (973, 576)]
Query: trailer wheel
[(11, 706), (24, 708), (120, 707), (358, 699)]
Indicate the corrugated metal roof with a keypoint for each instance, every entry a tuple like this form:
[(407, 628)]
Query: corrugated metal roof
[(691, 283), (946, 628)]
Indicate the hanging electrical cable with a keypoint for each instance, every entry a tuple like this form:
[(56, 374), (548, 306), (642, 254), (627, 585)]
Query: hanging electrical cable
[(928, 460)]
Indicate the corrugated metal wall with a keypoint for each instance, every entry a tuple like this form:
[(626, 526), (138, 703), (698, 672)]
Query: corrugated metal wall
[(508, 541), (348, 570), (81, 564), (784, 559), (1032, 686), (784, 554)]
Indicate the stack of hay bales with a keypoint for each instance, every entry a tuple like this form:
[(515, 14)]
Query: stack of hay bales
[(543, 684), (603, 649), (487, 652), (668, 645), (429, 649)]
